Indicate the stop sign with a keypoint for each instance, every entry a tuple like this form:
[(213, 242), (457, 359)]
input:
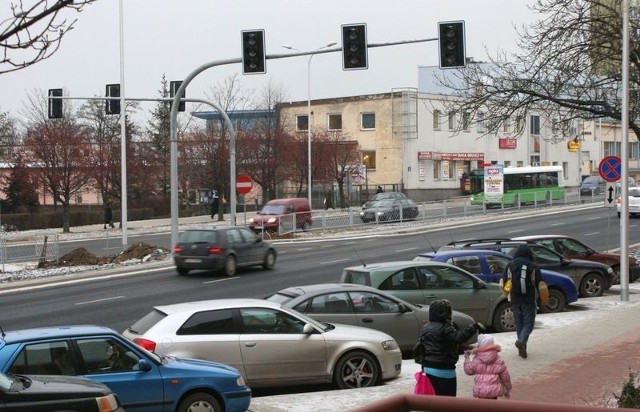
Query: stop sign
[(243, 184)]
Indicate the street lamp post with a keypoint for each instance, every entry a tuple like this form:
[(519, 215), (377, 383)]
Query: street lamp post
[(310, 56)]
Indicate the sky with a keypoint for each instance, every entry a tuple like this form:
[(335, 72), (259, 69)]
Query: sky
[(174, 37)]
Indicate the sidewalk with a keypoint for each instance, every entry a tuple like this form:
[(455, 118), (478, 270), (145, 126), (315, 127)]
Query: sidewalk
[(580, 357)]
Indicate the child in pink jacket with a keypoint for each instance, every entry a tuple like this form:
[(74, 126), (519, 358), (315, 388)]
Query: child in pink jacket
[(492, 378)]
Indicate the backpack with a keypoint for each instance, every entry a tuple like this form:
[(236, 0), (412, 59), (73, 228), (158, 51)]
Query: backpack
[(418, 351), (522, 278)]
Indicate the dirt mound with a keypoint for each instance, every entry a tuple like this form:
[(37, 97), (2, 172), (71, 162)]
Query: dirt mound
[(82, 257)]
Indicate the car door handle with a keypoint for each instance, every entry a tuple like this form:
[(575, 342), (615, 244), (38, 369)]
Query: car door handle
[(250, 344), (367, 320)]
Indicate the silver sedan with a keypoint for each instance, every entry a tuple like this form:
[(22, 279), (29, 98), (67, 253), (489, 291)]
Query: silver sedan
[(271, 345)]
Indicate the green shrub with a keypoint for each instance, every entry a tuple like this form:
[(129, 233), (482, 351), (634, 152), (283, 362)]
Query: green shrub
[(630, 395)]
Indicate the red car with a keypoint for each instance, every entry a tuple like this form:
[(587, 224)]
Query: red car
[(575, 249)]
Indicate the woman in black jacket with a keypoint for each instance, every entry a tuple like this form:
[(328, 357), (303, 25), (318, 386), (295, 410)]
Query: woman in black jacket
[(441, 340)]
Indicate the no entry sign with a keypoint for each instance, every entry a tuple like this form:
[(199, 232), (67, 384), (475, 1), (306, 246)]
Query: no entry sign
[(243, 184)]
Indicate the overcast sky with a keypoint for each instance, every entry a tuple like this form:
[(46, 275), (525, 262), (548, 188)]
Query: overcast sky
[(175, 37)]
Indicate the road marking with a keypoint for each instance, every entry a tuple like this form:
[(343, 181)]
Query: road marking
[(558, 224), (516, 231), (592, 234), (99, 300), (334, 261), (220, 280), (405, 250)]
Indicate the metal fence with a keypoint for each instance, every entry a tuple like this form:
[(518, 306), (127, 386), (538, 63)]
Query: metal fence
[(28, 246)]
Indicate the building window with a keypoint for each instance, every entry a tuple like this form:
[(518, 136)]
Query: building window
[(368, 121), (519, 163), (302, 122), (565, 170), (507, 163), (506, 126), (535, 125), (335, 122), (369, 159), (452, 120), (481, 127), (436, 170), (466, 121), (436, 119)]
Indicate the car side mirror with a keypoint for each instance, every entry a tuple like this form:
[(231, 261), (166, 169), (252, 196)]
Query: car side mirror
[(480, 285), (403, 308), (144, 365), (308, 329)]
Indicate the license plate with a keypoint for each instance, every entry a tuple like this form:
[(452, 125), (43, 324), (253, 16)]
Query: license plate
[(192, 260)]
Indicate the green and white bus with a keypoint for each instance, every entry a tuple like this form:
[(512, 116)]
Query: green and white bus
[(527, 184)]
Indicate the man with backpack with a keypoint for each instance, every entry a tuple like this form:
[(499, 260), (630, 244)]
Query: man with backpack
[(524, 277)]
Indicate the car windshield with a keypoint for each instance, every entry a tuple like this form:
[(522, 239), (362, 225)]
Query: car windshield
[(634, 192), (383, 203), (590, 181), (272, 210)]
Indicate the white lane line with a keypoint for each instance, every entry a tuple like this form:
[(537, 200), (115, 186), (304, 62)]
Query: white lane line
[(98, 300), (333, 261), (516, 231), (557, 224), (221, 280), (405, 250), (591, 234)]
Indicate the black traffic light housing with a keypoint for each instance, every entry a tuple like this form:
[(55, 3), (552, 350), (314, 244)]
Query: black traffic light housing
[(54, 109), (173, 89), (253, 57), (451, 44), (112, 106), (354, 47)]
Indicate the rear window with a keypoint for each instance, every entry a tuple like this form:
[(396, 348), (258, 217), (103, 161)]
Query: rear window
[(592, 180), (145, 323), (352, 276), (279, 298), (634, 192), (199, 236)]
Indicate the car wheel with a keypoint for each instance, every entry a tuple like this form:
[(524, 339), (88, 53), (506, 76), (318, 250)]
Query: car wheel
[(269, 260), (356, 370), (199, 402), (591, 285), (503, 320), (230, 265), (557, 302), (182, 271)]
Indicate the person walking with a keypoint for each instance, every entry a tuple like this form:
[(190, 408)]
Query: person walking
[(108, 215), (491, 376), (524, 277), (213, 203), (442, 340)]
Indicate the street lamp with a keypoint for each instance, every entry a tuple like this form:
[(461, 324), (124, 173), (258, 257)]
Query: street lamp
[(310, 56)]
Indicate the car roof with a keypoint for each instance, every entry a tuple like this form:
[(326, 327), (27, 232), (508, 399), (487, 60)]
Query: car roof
[(394, 264), (536, 237), (464, 252), (325, 288), (54, 332), (215, 304)]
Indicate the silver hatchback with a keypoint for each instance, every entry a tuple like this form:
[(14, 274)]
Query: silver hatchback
[(269, 344)]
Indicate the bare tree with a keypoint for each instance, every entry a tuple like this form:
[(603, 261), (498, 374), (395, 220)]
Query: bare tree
[(34, 30), (569, 68), (339, 156)]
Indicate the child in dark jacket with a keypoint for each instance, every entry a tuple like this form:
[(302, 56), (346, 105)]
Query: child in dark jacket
[(442, 340), (492, 378)]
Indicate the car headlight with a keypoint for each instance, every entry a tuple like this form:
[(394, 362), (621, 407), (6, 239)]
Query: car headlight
[(240, 381), (389, 345), (251, 220), (271, 220)]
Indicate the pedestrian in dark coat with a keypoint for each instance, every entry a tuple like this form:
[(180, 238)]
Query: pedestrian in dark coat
[(214, 204), (442, 344), (108, 215), (525, 279)]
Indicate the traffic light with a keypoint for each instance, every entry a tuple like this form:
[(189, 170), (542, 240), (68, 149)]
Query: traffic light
[(55, 105), (112, 106), (451, 44), (173, 89), (253, 57), (354, 47)]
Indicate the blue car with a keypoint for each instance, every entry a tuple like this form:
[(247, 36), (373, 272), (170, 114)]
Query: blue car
[(489, 265), (143, 381)]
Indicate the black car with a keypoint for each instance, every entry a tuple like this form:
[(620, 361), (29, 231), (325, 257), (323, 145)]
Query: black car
[(222, 249), (389, 209), (591, 278), (46, 393)]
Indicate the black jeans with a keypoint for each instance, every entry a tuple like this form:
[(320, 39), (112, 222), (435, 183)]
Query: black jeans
[(444, 386)]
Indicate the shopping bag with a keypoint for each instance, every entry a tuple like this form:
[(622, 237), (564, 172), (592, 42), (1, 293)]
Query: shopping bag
[(423, 384), (543, 290)]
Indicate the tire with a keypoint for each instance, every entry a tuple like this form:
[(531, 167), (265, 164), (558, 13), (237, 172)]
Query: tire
[(230, 266), (199, 401), (591, 285), (269, 260), (557, 302), (356, 370), (182, 271), (503, 320)]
